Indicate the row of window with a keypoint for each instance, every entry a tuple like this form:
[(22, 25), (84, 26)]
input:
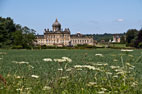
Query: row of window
[(57, 41), (54, 36), (50, 41), (73, 41), (81, 41)]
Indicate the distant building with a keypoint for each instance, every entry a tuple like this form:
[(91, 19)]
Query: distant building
[(81, 39), (58, 37), (116, 38)]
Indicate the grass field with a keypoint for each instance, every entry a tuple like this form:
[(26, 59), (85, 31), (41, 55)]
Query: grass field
[(98, 71)]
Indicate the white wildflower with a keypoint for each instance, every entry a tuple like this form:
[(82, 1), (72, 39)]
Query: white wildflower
[(28, 88), (64, 59), (19, 89), (101, 92), (131, 66), (121, 72), (21, 62), (34, 76), (18, 77), (0, 58), (65, 77), (114, 67), (126, 50), (89, 67), (60, 60), (30, 66), (98, 69), (103, 89), (99, 55), (116, 91), (134, 84), (118, 70), (47, 59), (46, 88), (109, 73), (86, 66), (91, 83), (8, 75), (67, 59), (101, 64), (115, 76), (79, 69), (105, 64), (60, 69), (128, 64), (69, 69), (78, 66)]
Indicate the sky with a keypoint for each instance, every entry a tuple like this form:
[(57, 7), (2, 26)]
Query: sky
[(84, 16)]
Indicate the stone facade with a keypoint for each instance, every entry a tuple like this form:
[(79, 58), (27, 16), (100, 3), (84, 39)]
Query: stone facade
[(58, 37), (81, 39)]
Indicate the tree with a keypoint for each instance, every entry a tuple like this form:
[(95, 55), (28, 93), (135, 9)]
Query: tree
[(12, 35), (131, 36), (123, 39), (138, 41), (7, 27), (28, 37)]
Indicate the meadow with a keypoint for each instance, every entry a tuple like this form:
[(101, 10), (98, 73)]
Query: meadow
[(62, 71)]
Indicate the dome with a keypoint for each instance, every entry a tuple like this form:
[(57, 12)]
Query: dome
[(56, 24)]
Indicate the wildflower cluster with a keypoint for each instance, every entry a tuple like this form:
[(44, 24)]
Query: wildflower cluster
[(63, 59)]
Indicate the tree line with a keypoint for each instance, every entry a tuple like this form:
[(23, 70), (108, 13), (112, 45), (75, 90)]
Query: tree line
[(134, 38), (14, 35)]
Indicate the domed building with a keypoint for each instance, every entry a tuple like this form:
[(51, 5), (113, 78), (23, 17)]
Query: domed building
[(59, 37)]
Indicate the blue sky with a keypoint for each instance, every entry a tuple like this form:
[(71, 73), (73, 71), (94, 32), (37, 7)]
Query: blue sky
[(84, 16)]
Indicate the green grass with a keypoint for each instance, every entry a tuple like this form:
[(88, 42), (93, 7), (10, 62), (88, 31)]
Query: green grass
[(74, 81), (118, 45)]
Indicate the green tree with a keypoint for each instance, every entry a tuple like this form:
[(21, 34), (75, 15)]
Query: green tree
[(28, 37), (12, 35), (138, 41), (131, 36), (123, 39), (7, 28)]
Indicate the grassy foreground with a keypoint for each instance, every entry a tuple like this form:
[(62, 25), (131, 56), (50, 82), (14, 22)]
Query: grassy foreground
[(98, 71)]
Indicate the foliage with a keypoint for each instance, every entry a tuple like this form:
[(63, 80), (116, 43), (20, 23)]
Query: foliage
[(123, 39), (7, 28), (130, 37), (12, 35), (106, 37), (138, 41), (133, 38)]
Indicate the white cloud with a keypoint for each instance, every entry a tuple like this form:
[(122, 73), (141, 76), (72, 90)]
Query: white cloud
[(120, 20)]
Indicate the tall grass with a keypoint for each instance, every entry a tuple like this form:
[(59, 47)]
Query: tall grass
[(100, 71)]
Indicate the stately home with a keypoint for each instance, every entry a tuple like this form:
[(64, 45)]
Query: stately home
[(59, 37)]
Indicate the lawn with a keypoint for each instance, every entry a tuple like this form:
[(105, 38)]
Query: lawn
[(94, 71)]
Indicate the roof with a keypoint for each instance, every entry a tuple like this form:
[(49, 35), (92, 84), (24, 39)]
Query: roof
[(56, 23), (40, 36), (78, 35), (58, 32)]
